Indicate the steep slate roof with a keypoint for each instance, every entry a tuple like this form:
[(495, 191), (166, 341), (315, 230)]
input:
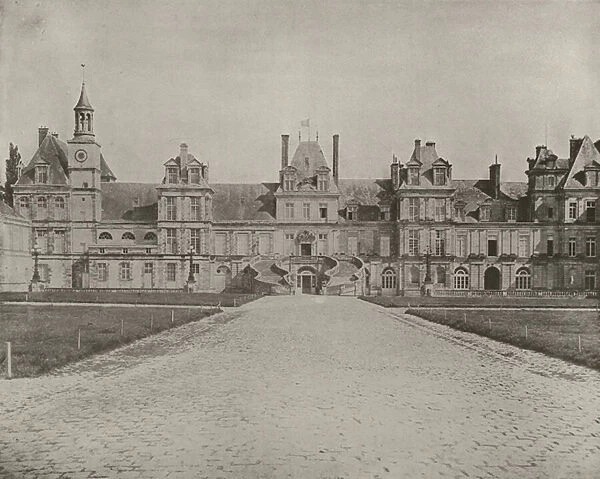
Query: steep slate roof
[(52, 152), (364, 191), (119, 202), (316, 159), (587, 156), (476, 192), (425, 156), (244, 202), (105, 170), (8, 211), (544, 155)]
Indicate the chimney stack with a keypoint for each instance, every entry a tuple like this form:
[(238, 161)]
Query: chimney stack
[(495, 179), (42, 132), (418, 150), (336, 158), (183, 154), (538, 149), (574, 147), (285, 144), (395, 172)]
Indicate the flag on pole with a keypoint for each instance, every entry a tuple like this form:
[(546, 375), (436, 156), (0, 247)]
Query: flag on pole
[(305, 123)]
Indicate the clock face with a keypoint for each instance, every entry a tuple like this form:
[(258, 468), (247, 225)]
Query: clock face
[(81, 155)]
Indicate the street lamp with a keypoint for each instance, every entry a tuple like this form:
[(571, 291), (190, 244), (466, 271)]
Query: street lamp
[(36, 270), (428, 265), (191, 278)]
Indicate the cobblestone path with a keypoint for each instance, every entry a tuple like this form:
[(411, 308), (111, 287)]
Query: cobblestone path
[(305, 387)]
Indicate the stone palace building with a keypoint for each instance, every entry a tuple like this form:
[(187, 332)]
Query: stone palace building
[(419, 231)]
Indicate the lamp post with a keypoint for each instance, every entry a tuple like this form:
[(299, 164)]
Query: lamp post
[(427, 283), (191, 279), (36, 270)]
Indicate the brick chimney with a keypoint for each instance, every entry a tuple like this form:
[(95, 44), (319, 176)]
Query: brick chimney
[(42, 133), (574, 147), (418, 150), (336, 158), (285, 145), (183, 154), (395, 172), (495, 179)]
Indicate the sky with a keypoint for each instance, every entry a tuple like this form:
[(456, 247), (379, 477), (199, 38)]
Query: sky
[(480, 78)]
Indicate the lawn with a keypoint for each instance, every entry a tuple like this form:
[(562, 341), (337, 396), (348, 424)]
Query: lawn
[(556, 333), (44, 338)]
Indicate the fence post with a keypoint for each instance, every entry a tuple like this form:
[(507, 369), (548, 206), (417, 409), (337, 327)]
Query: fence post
[(234, 302), (122, 326), (78, 339), (151, 321), (490, 324), (8, 360), (579, 340), (172, 317), (465, 318), (525, 331)]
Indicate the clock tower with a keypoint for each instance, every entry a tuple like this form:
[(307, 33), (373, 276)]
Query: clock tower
[(84, 160)]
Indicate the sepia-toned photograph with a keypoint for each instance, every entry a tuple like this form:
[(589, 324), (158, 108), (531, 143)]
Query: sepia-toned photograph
[(311, 239)]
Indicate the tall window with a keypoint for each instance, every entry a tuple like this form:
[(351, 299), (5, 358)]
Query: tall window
[(523, 279), (572, 214), (289, 243), (385, 212), (323, 184), (551, 181), (439, 176), (440, 243), (171, 240), (484, 213), (590, 211), (148, 268), (550, 247), (171, 272), (323, 211), (415, 275), (289, 210), (524, 246), (171, 207), (41, 237), (102, 272), (288, 184), (590, 247), (492, 247), (440, 209), (172, 174), (590, 280), (388, 279), (41, 174), (24, 202), (243, 240), (196, 209), (221, 243), (59, 241), (461, 279), (306, 211), (59, 203), (125, 270), (413, 242), (413, 176), (440, 274), (572, 247), (207, 207), (42, 202), (196, 240), (352, 209), (413, 209), (511, 213), (461, 246), (194, 176)]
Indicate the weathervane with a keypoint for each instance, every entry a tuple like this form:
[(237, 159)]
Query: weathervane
[(83, 73)]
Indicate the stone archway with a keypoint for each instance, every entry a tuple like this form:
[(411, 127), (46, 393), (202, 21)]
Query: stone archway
[(491, 279)]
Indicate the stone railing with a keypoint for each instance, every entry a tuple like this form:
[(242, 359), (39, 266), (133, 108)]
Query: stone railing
[(529, 293)]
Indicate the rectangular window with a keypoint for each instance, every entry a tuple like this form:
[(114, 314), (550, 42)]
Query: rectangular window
[(289, 210), (171, 240), (242, 243), (171, 272), (385, 212), (590, 280), (172, 175), (323, 183), (413, 242), (511, 213), (551, 181), (148, 268), (492, 247), (439, 177), (384, 246), (41, 174), (59, 241), (590, 211), (289, 243), (590, 247), (207, 207), (413, 176), (323, 211), (524, 246), (41, 238), (413, 209), (440, 244), (550, 213), (102, 272), (194, 176), (288, 184), (196, 240), (306, 211), (196, 210), (440, 209), (550, 247), (572, 247), (352, 213), (221, 243), (125, 271), (461, 246), (171, 208), (572, 210), (484, 213)]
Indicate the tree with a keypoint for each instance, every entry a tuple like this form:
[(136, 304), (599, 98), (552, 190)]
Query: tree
[(14, 158)]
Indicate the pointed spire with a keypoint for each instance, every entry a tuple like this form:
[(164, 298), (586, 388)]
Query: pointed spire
[(83, 102)]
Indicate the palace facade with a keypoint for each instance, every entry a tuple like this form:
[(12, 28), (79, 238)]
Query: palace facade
[(419, 231)]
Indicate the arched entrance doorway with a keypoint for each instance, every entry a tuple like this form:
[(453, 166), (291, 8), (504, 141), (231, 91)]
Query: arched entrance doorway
[(491, 279), (222, 278), (306, 280)]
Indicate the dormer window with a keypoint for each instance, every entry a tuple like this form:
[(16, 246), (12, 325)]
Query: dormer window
[(323, 183), (592, 178), (385, 212), (439, 176), (352, 212), (288, 184), (172, 175), (413, 176), (41, 174), (511, 213), (551, 181), (194, 177), (484, 213), (459, 212)]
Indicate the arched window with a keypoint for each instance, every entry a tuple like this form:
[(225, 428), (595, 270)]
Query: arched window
[(461, 279), (128, 236), (388, 279), (150, 236), (42, 202), (59, 203), (415, 275), (24, 202), (523, 279), (105, 235)]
